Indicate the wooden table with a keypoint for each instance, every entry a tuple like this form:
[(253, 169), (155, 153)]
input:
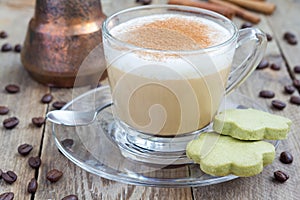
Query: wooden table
[(14, 16)]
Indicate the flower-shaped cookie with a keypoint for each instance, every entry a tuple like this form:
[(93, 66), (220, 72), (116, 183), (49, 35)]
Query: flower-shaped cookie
[(220, 155), (251, 124)]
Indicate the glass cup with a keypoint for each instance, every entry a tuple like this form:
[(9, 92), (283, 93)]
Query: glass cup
[(162, 99)]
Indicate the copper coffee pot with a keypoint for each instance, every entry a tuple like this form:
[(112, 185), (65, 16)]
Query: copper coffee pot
[(59, 38)]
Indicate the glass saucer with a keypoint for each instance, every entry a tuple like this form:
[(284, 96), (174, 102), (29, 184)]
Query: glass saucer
[(94, 150)]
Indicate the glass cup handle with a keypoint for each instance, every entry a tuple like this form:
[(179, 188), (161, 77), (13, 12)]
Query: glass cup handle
[(239, 75)]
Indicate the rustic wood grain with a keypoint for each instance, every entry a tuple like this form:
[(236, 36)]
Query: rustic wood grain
[(286, 20), (14, 16), (24, 105)]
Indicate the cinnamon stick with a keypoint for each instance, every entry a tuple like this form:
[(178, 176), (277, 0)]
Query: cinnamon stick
[(259, 6), (229, 13), (240, 12)]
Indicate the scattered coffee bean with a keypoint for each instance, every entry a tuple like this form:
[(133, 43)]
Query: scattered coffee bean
[(286, 157), (278, 104), (297, 69), (275, 67), (10, 123), (67, 143), (246, 25), (288, 35), (32, 186), (12, 88), (6, 47), (24, 149), (70, 197), (266, 94), (54, 175), (3, 110), (281, 176), (295, 100), (296, 83), (38, 121), (263, 64), (47, 98), (269, 37), (18, 48), (290, 38), (289, 89), (58, 104), (34, 162), (144, 2), (7, 196), (3, 34), (9, 177)]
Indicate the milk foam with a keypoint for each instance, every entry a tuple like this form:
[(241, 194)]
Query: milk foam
[(217, 34), (154, 64)]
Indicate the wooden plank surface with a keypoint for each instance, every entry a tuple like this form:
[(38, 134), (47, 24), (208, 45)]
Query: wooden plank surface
[(283, 20), (14, 16), (23, 105)]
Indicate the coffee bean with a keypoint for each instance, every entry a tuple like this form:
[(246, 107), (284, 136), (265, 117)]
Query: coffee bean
[(263, 64), (286, 157), (269, 37), (275, 67), (1, 173), (6, 47), (58, 104), (281, 176), (54, 175), (9, 177), (297, 69), (67, 143), (296, 83), (70, 197), (288, 35), (34, 162), (24, 149), (47, 98), (289, 89), (146, 2), (3, 110), (290, 38), (266, 94), (38, 121), (12, 88), (278, 104), (32, 186), (3, 34), (295, 100), (10, 123), (18, 48), (246, 25), (7, 196)]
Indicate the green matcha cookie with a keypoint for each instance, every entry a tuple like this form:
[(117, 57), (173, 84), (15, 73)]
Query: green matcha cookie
[(220, 155), (250, 124)]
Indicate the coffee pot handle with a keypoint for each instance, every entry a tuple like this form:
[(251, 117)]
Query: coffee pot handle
[(249, 64)]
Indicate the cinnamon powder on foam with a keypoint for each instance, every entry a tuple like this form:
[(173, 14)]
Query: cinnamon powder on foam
[(171, 34)]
